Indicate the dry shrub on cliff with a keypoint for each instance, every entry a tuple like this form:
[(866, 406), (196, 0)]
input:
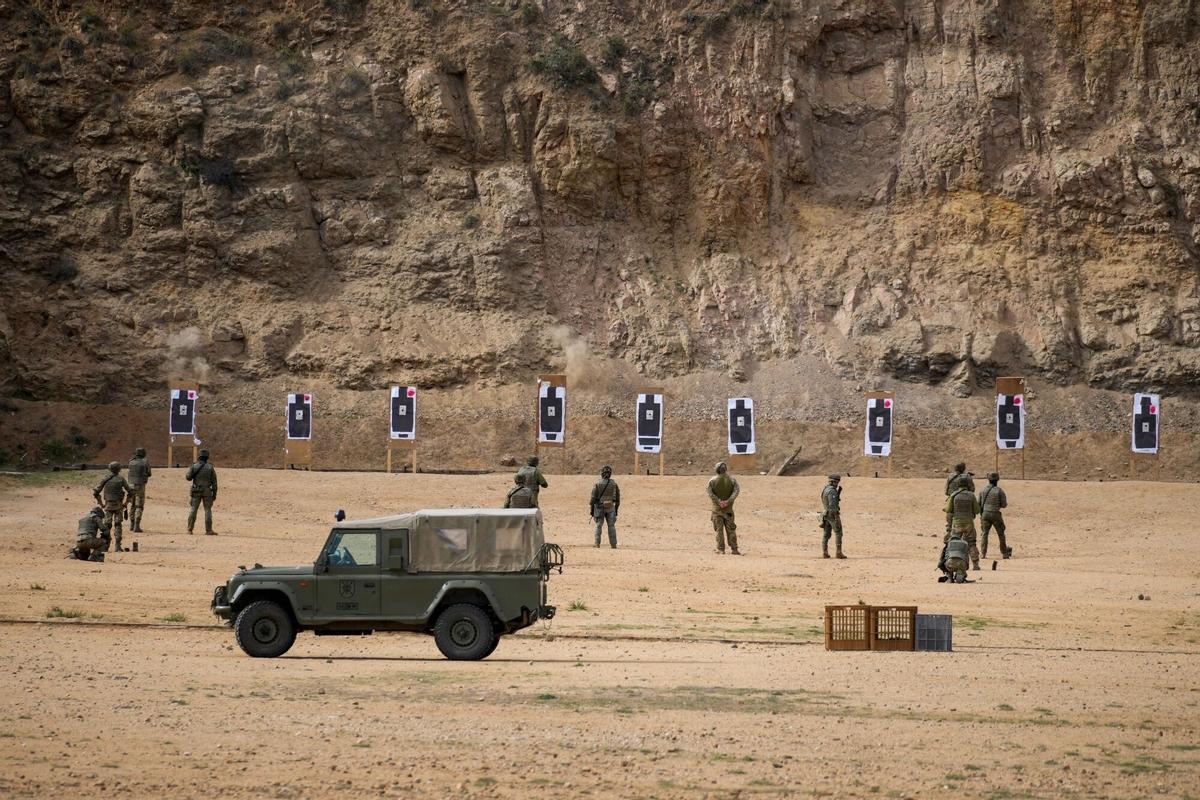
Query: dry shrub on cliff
[(565, 63)]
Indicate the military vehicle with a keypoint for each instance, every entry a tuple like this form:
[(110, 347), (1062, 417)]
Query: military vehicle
[(465, 576)]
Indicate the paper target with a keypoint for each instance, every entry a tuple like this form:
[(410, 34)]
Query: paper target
[(404, 413), (649, 423), (877, 437), (299, 416), (552, 413), (1147, 416), (741, 426), (183, 412), (1010, 421)]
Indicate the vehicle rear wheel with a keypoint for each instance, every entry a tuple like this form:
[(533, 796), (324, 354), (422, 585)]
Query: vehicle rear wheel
[(464, 633), (264, 629)]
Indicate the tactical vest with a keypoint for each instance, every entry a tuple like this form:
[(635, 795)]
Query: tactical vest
[(530, 474), (989, 501), (607, 493), (963, 503), (202, 479), (89, 528), (722, 486), (957, 548), (112, 489), (520, 497), (139, 471), (831, 500)]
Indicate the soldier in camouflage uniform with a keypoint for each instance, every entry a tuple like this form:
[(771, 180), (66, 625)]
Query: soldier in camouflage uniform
[(962, 506), (113, 493), (139, 476), (204, 490), (831, 516), (960, 470), (991, 500), (535, 481), (519, 496), (604, 504), (92, 539), (954, 559), (723, 489)]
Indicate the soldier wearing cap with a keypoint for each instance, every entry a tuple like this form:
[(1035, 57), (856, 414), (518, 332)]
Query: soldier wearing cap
[(831, 515), (139, 476), (113, 493), (519, 496), (723, 489), (604, 505), (991, 500), (204, 490)]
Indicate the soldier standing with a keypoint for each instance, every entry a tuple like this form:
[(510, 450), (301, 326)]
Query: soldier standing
[(139, 476), (606, 500), (534, 480), (962, 507), (831, 517), (204, 490), (723, 489), (960, 470), (991, 500), (519, 496), (92, 540), (113, 493)]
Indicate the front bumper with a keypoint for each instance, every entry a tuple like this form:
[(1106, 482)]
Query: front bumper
[(220, 604)]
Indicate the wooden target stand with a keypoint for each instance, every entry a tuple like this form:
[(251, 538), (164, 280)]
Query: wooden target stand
[(1140, 458), (865, 460), (297, 453), (559, 382), (1014, 386), (637, 456), (180, 440), (400, 446), (745, 463)]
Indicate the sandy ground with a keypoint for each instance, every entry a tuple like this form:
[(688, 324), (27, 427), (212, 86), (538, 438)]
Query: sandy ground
[(685, 674)]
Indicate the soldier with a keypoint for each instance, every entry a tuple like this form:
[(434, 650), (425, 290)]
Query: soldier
[(962, 507), (519, 496), (534, 480), (92, 539), (605, 502), (831, 517), (113, 493), (954, 560), (204, 489), (139, 476), (960, 469), (723, 489), (991, 500)]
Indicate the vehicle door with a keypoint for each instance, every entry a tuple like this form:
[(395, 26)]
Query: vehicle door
[(348, 584), (405, 597)]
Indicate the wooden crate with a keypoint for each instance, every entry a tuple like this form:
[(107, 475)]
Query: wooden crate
[(847, 627), (893, 627)]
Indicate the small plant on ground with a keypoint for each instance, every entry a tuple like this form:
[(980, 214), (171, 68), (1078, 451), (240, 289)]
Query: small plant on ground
[(57, 612), (176, 617), (577, 605)]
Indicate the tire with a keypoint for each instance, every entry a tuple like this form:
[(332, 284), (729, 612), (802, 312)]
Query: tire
[(492, 649), (264, 629), (464, 633)]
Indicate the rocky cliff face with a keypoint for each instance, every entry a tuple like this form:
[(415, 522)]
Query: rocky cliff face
[(356, 192)]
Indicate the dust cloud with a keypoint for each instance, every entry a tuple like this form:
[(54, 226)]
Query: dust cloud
[(586, 371), (185, 355)]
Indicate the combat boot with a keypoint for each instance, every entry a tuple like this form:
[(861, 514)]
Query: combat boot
[(840, 554), (1007, 552), (975, 565), (824, 550), (735, 552)]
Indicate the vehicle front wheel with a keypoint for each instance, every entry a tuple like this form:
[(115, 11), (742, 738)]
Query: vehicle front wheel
[(264, 629), (464, 633)]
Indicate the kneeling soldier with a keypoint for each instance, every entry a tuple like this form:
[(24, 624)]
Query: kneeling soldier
[(954, 559), (92, 539), (520, 495)]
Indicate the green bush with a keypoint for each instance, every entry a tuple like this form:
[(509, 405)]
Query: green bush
[(614, 50), (566, 64)]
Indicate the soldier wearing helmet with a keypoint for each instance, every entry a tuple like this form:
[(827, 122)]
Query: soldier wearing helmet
[(204, 490), (535, 481), (112, 494), (831, 516), (991, 500), (92, 539), (960, 471), (139, 476), (723, 489), (962, 506), (519, 496), (604, 504)]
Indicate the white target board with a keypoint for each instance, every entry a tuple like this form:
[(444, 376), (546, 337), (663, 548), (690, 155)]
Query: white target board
[(1010, 421), (741, 426), (182, 421), (552, 413), (877, 434), (649, 412), (1147, 418), (299, 416), (403, 413)]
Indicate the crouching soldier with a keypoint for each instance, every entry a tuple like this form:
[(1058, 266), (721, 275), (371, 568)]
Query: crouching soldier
[(520, 495), (92, 539), (954, 559)]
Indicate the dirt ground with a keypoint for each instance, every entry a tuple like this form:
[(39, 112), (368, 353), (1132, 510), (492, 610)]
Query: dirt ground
[(670, 671)]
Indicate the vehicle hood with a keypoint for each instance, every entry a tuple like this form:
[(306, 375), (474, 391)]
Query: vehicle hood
[(274, 572)]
